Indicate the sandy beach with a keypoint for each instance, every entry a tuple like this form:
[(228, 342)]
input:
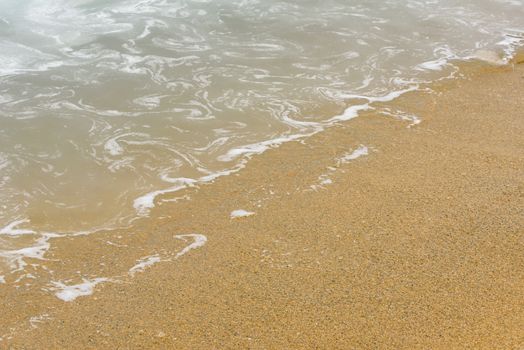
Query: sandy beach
[(415, 241)]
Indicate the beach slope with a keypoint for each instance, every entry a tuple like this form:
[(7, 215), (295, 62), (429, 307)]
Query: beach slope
[(414, 241)]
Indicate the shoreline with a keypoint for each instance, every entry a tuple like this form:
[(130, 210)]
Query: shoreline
[(413, 245)]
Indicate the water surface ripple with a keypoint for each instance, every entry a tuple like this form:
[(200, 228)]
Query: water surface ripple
[(106, 104)]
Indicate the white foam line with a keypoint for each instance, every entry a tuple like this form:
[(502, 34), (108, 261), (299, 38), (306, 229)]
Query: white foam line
[(359, 152), (10, 229), (146, 202), (2, 279), (415, 120), (511, 43), (15, 258), (113, 147), (147, 261), (325, 179), (144, 263), (261, 147), (71, 292), (198, 241), (240, 213), (446, 55), (350, 113), (437, 64)]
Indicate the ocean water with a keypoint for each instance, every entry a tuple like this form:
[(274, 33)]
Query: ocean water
[(106, 105)]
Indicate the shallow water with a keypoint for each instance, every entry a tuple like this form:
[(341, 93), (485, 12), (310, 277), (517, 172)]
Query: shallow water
[(106, 104)]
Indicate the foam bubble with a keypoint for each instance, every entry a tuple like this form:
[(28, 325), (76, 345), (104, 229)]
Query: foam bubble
[(359, 152), (71, 292), (113, 147), (240, 213), (325, 181)]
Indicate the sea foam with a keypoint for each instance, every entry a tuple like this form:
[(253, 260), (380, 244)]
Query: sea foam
[(240, 213), (70, 292)]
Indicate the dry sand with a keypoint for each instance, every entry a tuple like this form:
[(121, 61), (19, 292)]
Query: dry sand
[(417, 245)]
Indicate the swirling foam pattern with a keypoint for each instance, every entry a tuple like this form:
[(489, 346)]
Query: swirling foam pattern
[(104, 102)]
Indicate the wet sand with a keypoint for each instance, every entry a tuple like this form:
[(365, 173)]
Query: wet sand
[(418, 244)]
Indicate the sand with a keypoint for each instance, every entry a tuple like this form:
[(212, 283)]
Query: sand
[(418, 244)]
